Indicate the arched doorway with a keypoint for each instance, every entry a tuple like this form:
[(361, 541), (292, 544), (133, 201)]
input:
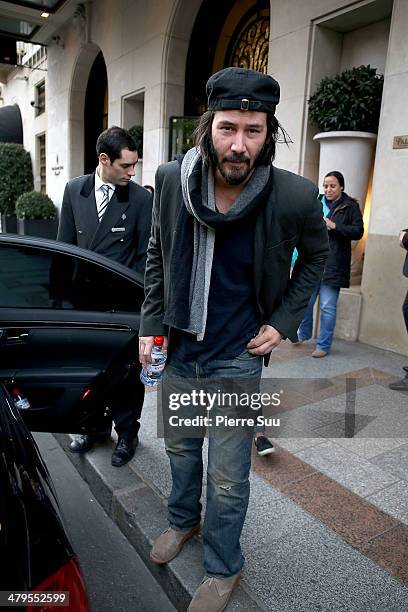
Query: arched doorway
[(79, 117), (96, 111), (228, 33)]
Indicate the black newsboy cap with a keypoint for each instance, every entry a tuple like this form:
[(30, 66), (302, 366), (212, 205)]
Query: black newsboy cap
[(242, 89)]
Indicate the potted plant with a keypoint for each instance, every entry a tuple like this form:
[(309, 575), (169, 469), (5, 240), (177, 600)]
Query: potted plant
[(346, 109), (136, 131), (16, 178), (36, 215)]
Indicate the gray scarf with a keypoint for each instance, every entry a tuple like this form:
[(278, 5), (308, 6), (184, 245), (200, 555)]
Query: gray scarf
[(205, 226)]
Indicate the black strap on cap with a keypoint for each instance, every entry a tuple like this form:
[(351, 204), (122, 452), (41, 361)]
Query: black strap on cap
[(242, 104)]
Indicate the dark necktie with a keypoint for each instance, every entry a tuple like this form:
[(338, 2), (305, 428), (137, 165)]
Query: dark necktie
[(105, 201)]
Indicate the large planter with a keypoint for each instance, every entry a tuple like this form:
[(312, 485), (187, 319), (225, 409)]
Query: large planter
[(352, 154), (9, 224), (41, 228)]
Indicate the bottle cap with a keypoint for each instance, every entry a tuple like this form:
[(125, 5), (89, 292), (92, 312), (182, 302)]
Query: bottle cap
[(158, 340)]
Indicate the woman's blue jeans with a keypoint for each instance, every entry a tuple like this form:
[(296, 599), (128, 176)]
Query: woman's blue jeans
[(229, 462), (328, 308)]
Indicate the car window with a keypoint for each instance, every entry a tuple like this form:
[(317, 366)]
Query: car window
[(34, 278)]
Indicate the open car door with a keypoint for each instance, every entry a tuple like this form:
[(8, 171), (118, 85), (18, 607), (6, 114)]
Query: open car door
[(69, 321)]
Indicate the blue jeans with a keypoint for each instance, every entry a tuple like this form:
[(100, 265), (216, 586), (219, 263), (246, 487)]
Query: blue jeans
[(328, 307), (229, 462)]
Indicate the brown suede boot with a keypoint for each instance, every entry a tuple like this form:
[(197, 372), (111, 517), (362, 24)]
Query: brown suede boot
[(213, 594), (169, 543), (318, 353)]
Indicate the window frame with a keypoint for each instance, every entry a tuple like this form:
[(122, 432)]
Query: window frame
[(40, 102)]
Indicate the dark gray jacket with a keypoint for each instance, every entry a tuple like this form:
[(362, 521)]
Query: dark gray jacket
[(292, 217), (405, 244), (124, 231), (349, 226)]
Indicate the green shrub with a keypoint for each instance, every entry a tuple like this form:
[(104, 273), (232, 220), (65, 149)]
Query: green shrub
[(136, 132), (350, 100), (16, 175), (35, 205)]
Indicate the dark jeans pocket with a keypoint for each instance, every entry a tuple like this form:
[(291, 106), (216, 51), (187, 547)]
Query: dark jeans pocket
[(247, 356)]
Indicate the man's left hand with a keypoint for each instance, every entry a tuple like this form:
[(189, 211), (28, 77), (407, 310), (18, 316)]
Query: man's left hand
[(265, 341)]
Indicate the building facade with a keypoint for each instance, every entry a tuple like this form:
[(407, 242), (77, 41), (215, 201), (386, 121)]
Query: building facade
[(131, 62)]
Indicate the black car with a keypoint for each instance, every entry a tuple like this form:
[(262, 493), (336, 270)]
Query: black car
[(69, 322), (35, 552)]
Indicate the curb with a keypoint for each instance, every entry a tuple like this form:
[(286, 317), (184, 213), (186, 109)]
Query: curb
[(140, 513)]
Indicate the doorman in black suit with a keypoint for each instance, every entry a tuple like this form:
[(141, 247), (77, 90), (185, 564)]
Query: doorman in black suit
[(108, 213)]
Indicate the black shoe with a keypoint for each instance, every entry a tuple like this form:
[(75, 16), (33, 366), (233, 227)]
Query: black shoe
[(82, 444), (405, 368), (124, 451), (263, 446), (400, 385)]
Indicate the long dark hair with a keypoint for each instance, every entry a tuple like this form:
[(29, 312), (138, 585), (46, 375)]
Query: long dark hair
[(203, 139)]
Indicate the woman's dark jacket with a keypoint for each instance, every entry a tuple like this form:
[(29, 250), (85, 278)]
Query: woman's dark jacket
[(405, 245), (349, 226)]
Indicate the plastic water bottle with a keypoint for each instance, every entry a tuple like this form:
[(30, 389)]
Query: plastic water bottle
[(20, 400), (151, 375)]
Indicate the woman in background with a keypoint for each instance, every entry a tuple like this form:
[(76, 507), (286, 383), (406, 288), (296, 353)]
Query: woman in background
[(344, 223)]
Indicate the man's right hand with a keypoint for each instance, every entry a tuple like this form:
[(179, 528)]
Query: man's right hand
[(145, 349)]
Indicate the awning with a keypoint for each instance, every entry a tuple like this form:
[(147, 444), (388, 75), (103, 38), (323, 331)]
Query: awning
[(11, 126), (35, 21)]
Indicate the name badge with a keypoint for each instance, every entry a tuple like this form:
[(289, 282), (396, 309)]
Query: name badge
[(118, 229)]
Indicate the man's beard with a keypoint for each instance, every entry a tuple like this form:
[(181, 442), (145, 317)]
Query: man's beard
[(235, 175)]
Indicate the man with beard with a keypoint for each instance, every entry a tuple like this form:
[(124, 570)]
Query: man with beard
[(217, 284)]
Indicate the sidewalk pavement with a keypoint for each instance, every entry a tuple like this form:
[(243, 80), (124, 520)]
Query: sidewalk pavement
[(327, 523)]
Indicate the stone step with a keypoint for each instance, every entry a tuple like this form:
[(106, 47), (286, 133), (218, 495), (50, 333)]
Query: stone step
[(140, 512)]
